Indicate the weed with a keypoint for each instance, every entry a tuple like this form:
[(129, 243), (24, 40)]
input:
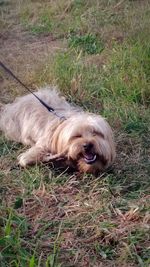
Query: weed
[(87, 43), (12, 245), (52, 260), (139, 254), (106, 251)]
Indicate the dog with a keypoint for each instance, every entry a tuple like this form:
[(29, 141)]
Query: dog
[(82, 140)]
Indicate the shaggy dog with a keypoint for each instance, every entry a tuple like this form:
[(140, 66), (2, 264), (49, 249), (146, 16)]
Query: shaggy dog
[(82, 140)]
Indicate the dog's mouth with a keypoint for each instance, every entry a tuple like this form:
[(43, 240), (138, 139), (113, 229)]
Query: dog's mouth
[(89, 157)]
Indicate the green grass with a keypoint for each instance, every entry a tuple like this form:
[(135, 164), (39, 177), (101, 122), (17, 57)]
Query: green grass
[(87, 43), (121, 85), (11, 242), (50, 218), (15, 248)]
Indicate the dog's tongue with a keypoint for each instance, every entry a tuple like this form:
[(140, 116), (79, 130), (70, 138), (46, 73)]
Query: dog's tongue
[(89, 157)]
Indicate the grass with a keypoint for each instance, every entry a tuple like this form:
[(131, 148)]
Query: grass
[(88, 43), (50, 218)]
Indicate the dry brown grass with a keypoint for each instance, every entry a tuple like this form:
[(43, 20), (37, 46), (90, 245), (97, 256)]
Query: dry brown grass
[(82, 220)]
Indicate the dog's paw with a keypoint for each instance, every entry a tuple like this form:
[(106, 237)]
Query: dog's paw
[(47, 157), (22, 160)]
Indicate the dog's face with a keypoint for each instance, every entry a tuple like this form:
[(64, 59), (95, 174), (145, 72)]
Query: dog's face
[(88, 142)]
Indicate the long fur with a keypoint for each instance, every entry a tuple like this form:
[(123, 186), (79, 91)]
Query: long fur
[(28, 122)]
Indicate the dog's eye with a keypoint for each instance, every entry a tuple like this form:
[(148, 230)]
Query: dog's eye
[(98, 134), (77, 136)]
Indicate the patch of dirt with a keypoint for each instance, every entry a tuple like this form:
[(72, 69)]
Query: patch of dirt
[(22, 53)]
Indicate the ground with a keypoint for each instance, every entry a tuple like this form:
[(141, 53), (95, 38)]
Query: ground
[(98, 54)]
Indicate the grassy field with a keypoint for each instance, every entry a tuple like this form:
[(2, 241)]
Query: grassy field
[(98, 53)]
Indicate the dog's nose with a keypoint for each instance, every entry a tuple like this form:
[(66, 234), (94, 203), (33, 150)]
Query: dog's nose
[(87, 146)]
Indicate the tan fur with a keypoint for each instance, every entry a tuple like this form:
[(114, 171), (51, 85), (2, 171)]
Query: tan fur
[(28, 122)]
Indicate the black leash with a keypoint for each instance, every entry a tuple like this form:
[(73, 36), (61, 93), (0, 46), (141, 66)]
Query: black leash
[(50, 109)]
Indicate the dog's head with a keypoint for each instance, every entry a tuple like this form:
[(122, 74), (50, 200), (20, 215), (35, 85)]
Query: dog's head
[(87, 141)]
